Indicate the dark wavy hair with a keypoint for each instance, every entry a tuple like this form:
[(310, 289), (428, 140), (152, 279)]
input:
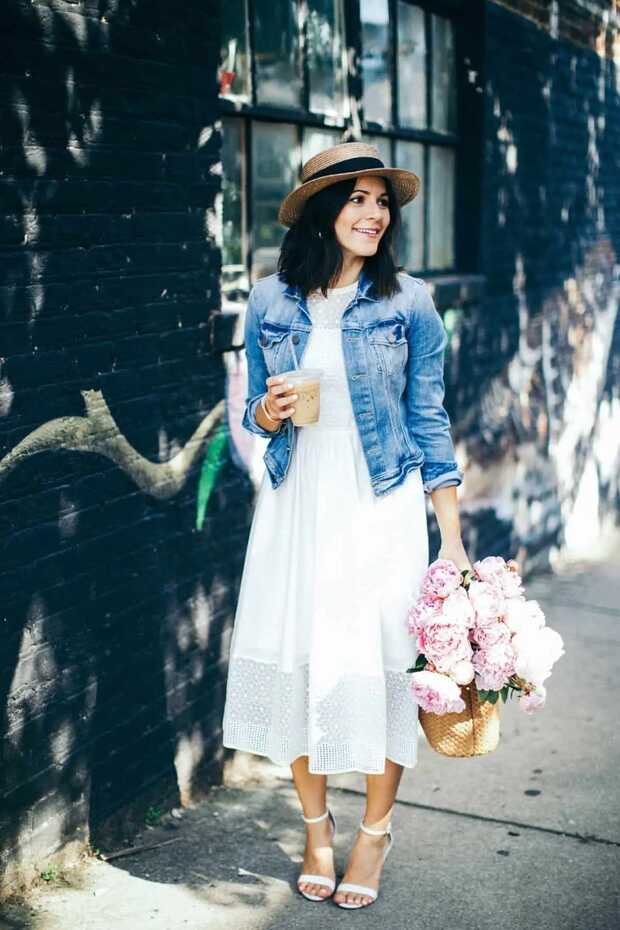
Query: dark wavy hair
[(311, 262)]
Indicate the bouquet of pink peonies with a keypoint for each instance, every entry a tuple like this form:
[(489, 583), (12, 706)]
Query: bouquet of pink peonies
[(477, 631)]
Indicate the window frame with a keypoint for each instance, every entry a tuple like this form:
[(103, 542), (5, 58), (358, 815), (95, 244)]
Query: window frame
[(467, 146)]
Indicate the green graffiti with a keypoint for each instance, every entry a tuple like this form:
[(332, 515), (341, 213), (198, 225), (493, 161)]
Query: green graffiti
[(213, 461)]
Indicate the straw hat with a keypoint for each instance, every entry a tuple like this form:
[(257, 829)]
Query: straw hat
[(348, 160)]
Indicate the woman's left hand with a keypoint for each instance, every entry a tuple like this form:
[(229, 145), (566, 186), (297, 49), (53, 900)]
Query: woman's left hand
[(456, 553)]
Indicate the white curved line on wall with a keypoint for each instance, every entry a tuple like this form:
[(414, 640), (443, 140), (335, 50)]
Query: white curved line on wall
[(98, 432)]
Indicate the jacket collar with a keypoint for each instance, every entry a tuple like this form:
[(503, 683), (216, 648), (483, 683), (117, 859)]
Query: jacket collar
[(364, 284)]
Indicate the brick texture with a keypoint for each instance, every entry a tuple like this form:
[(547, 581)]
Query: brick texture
[(115, 609), (533, 387)]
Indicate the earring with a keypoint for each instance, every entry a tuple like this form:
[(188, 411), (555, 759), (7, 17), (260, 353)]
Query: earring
[(320, 234)]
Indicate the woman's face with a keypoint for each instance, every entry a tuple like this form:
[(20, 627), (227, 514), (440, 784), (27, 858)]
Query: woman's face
[(364, 217)]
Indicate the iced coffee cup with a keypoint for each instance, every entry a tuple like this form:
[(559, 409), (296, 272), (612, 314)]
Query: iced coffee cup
[(307, 384)]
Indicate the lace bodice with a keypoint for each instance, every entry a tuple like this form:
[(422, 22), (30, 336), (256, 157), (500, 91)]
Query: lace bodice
[(324, 350), (326, 311)]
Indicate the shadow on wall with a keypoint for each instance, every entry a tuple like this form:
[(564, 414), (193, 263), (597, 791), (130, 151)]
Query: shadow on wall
[(537, 417), (120, 557)]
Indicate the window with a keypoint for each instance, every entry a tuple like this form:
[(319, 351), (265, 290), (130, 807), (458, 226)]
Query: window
[(277, 53), (285, 95), (411, 37), (274, 173), (279, 108), (234, 234), (412, 107), (326, 58), (376, 65)]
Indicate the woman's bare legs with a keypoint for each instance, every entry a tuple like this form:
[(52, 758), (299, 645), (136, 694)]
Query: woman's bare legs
[(366, 859), (318, 854)]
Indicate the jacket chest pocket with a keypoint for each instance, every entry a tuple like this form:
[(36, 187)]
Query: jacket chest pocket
[(388, 341), (273, 341)]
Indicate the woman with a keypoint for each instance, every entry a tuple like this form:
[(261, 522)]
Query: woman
[(339, 540)]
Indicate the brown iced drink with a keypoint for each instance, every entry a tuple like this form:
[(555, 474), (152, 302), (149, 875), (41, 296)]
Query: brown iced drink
[(307, 385)]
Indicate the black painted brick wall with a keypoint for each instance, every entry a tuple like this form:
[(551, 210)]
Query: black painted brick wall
[(550, 241), (114, 608)]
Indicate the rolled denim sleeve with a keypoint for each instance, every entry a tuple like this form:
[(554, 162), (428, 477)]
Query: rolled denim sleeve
[(257, 369), (440, 475), (427, 418)]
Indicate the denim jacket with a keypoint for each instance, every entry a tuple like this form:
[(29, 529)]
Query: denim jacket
[(393, 352)]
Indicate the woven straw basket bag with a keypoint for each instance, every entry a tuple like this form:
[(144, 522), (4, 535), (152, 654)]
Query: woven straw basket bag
[(471, 732)]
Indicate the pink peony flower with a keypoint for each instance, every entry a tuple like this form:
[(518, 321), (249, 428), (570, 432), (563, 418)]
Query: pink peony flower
[(462, 672), (457, 608), (436, 693), (535, 652), (536, 613), (486, 636), (523, 615), (441, 578), (534, 700), (494, 666), (495, 571), (423, 611), (444, 643), (490, 569), (488, 602)]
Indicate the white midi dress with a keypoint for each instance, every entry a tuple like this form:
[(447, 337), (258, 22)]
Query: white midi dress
[(320, 645)]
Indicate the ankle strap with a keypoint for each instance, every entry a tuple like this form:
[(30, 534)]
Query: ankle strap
[(316, 819), (375, 832)]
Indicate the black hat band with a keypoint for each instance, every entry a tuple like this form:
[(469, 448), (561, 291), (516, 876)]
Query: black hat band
[(350, 164)]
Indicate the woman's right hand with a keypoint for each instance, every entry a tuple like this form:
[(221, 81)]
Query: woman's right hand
[(280, 398)]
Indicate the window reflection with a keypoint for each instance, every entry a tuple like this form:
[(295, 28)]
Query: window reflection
[(275, 170), (234, 70), (410, 155), (411, 58), (441, 167), (317, 140), (377, 97), (383, 144), (444, 75), (277, 52), (234, 236), (326, 57)]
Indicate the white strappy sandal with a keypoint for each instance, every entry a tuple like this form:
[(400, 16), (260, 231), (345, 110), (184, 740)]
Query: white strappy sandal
[(318, 879), (365, 889)]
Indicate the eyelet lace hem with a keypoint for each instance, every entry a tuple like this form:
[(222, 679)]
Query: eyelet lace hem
[(354, 728)]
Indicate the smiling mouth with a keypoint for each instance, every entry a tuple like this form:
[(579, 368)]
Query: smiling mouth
[(371, 233)]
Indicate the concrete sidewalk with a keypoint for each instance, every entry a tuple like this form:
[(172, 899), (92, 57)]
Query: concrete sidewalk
[(528, 836)]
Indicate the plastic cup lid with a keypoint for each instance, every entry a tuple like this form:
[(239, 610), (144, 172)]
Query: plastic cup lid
[(302, 374)]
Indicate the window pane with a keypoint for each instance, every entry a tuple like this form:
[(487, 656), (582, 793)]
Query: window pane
[(383, 144), (441, 207), (410, 155), (276, 43), (444, 75), (316, 140), (234, 70), (411, 61), (234, 238), (326, 57), (275, 172), (376, 61)]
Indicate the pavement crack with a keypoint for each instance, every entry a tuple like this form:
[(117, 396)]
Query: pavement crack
[(574, 835)]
